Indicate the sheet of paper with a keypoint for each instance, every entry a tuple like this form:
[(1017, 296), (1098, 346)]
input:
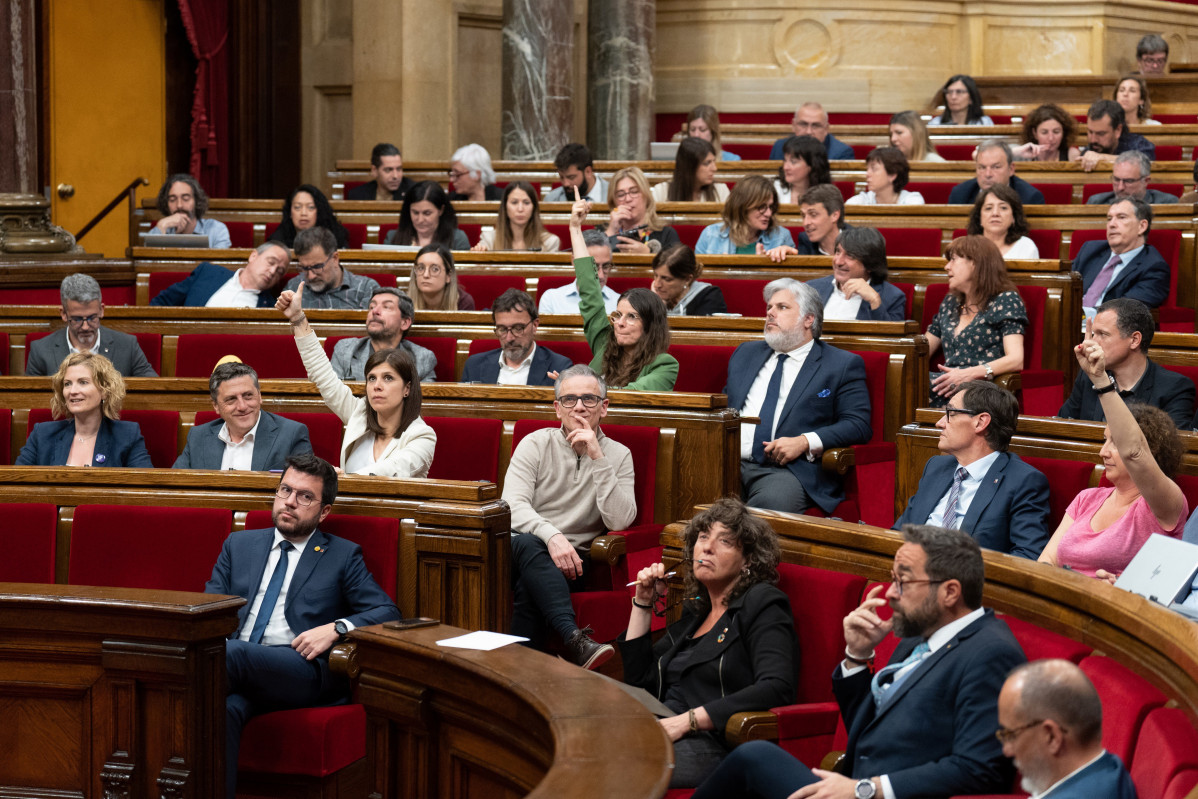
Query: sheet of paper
[(481, 640)]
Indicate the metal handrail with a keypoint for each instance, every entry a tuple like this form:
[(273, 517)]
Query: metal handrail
[(128, 191)]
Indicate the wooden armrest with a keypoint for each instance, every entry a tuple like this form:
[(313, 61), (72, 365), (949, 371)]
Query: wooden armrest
[(756, 725), (833, 761), (1010, 382), (608, 549), (838, 460), (343, 659)]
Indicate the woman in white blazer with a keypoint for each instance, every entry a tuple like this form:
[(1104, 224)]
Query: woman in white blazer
[(384, 434)]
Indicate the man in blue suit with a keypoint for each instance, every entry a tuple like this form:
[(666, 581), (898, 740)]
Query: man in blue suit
[(976, 485), (924, 724), (518, 361), (1125, 265), (1051, 720), (245, 437), (252, 286), (304, 589), (857, 287), (809, 397), (994, 163), (811, 119)]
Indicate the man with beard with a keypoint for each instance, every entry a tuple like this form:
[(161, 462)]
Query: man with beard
[(977, 485), (1051, 726), (388, 318), (576, 168), (183, 204), (327, 284), (386, 170), (1108, 135), (924, 724), (518, 361), (304, 589), (808, 395)]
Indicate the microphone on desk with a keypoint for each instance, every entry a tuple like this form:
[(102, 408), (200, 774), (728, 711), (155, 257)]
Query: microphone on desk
[(654, 246)]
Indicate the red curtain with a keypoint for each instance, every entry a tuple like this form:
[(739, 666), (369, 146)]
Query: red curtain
[(207, 25)]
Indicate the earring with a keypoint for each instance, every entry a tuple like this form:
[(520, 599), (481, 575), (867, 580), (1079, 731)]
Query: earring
[(746, 571)]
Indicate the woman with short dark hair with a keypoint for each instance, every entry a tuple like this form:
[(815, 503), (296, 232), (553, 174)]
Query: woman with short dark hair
[(998, 215), (886, 174), (676, 280), (804, 165), (427, 217)]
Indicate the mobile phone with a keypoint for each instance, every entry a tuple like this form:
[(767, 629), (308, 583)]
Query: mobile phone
[(411, 624)]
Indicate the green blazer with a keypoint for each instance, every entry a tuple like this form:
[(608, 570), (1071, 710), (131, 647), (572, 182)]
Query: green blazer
[(662, 371)]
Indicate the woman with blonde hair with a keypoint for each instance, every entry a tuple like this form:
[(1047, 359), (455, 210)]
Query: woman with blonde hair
[(633, 222), (750, 225), (519, 224), (910, 134), (434, 284), (90, 391), (703, 122)]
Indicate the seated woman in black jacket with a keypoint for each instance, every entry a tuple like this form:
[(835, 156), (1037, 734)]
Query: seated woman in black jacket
[(307, 207), (676, 281), (733, 650)]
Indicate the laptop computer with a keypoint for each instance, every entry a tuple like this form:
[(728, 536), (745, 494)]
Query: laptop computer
[(391, 247), (176, 240), (1162, 571), (663, 150)]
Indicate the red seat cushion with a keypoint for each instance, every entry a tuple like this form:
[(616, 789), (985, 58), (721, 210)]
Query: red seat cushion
[(1048, 242), (472, 231), (1066, 479), (357, 234), (486, 288), (1168, 746), (820, 599), (626, 283), (6, 458), (446, 350), (4, 349), (576, 351), (1127, 699), (273, 357), (923, 242), (314, 741), (688, 234), (745, 297), (956, 152), (702, 369), (28, 538), (324, 431), (934, 192), (1041, 644), (128, 546), (547, 282), (847, 189), (241, 234), (151, 347), (1170, 152), (468, 448), (862, 151), (160, 281), (1055, 193)]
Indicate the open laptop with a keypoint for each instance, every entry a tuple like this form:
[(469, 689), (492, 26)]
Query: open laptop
[(663, 150), (391, 247), (1162, 571), (176, 240)]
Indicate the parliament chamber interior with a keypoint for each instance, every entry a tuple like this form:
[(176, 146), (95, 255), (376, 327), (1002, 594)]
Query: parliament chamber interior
[(112, 657)]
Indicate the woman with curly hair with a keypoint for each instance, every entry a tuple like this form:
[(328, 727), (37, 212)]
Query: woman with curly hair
[(1048, 133), (307, 207), (998, 215), (804, 165), (730, 596)]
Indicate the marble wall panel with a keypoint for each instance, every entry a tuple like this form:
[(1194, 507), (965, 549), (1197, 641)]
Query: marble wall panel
[(1039, 48), (621, 41), (538, 110), (18, 98)]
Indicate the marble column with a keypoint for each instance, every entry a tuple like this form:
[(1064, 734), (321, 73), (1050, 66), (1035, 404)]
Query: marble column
[(538, 80), (18, 98), (621, 42)]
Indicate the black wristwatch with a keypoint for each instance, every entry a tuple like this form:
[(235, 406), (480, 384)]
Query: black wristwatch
[(1109, 387), (865, 789), (340, 627)]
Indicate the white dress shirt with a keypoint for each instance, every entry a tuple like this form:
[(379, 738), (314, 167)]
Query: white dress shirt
[(839, 306), (71, 348), (233, 295), (756, 398), (519, 375), (239, 456), (969, 487), (278, 632), (565, 299)]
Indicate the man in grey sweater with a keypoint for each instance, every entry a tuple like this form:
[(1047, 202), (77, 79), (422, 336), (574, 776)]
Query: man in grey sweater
[(565, 486)]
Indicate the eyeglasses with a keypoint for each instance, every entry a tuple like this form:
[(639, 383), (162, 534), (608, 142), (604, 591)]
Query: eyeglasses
[(515, 330), (315, 267), (950, 411), (428, 269), (1156, 61), (587, 400), (458, 175), (629, 317), (761, 209), (304, 498), (1126, 181), (956, 92), (901, 582), (627, 194), (1006, 736), (79, 321), (808, 125), (602, 267)]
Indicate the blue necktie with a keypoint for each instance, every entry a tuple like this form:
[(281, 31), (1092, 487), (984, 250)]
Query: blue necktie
[(273, 588), (887, 679), (954, 493), (765, 428)]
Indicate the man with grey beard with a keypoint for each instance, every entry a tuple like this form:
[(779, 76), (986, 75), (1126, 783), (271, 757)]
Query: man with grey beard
[(808, 395)]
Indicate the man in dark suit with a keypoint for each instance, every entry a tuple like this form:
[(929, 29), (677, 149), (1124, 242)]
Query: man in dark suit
[(994, 164), (304, 589), (252, 286), (857, 287), (1109, 136), (519, 361), (1051, 727), (923, 725), (976, 485), (82, 310), (1124, 328), (811, 119), (809, 396), (1129, 178), (1125, 265), (386, 171), (245, 437)]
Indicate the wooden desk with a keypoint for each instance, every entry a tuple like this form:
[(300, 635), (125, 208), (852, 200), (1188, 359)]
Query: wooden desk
[(507, 723), (113, 692)]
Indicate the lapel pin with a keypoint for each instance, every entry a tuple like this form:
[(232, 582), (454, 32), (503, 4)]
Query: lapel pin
[(317, 549), (100, 457), (720, 640)]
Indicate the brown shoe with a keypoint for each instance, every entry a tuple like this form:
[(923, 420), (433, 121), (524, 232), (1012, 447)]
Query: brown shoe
[(587, 652)]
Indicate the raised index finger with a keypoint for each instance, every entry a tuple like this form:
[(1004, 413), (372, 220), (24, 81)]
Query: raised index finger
[(1089, 328)]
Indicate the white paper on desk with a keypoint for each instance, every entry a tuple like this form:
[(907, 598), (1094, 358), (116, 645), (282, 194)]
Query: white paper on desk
[(481, 640)]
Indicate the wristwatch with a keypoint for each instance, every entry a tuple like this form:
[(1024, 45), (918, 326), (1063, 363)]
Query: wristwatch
[(865, 789), (340, 627), (1109, 387), (989, 372)]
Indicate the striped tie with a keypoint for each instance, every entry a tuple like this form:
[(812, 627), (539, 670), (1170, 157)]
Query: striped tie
[(950, 510)]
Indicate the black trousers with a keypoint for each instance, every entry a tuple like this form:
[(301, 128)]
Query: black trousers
[(542, 592)]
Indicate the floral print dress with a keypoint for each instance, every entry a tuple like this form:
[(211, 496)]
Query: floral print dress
[(981, 340)]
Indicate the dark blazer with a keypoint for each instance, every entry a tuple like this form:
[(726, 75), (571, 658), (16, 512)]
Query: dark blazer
[(370, 190), (1145, 279), (1009, 512), (1151, 196), (117, 444), (1105, 777), (965, 193), (483, 367), (1173, 393), (122, 349), (709, 300), (749, 661), (490, 192), (835, 148), (829, 398), (892, 309), (276, 439), (805, 245), (330, 582), (935, 736), (194, 290)]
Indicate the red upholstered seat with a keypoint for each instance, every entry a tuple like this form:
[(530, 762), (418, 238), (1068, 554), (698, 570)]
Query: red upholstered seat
[(467, 449), (4, 349), (862, 151), (934, 192), (357, 234), (241, 234), (1127, 698), (1066, 479), (273, 357), (384, 279), (1041, 644), (1170, 152), (6, 454), (313, 741), (151, 347), (702, 368), (576, 351), (129, 546), (1048, 242), (160, 429), (909, 290), (1167, 748), (111, 295), (688, 234), (446, 350), (547, 282), (1055, 193), (485, 288), (472, 232), (385, 229), (914, 241), (28, 539), (750, 152), (956, 152), (324, 431), (745, 297), (626, 283)]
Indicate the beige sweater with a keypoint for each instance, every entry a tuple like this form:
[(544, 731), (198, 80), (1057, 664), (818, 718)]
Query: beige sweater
[(552, 490)]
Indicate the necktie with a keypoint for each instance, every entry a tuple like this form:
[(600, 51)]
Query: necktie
[(1093, 296), (267, 609), (765, 428), (949, 518), (890, 677)]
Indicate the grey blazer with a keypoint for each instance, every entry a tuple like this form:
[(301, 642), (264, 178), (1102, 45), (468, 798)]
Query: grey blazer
[(277, 438), (122, 349), (350, 356)]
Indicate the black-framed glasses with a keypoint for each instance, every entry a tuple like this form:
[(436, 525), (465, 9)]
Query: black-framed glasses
[(950, 411), (304, 498), (78, 321), (454, 175), (1006, 736), (901, 582), (1127, 181), (314, 267), (587, 400), (515, 330)]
